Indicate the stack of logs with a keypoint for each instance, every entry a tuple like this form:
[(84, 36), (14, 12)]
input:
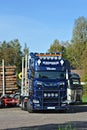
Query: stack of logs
[(9, 79)]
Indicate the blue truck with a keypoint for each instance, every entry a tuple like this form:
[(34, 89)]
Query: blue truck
[(48, 79), (48, 83)]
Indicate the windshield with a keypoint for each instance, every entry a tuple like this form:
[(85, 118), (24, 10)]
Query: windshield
[(50, 75)]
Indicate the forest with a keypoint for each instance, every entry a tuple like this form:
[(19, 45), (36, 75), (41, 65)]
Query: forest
[(74, 50)]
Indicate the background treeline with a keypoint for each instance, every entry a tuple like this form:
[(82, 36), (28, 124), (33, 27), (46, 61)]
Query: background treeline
[(75, 50), (12, 53)]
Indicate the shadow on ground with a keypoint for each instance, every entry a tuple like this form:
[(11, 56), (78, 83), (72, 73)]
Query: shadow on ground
[(78, 108), (66, 126), (72, 109)]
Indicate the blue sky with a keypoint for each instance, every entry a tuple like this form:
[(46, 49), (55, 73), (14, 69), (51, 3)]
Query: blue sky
[(39, 22)]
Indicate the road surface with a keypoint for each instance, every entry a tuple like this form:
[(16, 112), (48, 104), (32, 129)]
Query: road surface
[(17, 119)]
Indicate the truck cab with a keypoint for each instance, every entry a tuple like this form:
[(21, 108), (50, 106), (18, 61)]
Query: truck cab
[(74, 93), (47, 77)]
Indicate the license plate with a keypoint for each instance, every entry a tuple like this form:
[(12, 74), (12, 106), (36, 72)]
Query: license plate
[(51, 108)]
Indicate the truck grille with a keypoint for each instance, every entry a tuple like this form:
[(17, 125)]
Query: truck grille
[(51, 97)]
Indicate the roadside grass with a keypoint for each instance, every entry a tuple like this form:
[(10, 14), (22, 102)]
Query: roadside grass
[(67, 127), (84, 99)]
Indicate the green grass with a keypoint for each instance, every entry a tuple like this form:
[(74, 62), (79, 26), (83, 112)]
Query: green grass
[(84, 99), (67, 127)]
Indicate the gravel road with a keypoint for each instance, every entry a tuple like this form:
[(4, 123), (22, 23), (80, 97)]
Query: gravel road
[(17, 119)]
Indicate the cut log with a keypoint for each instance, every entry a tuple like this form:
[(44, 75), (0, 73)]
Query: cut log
[(10, 79)]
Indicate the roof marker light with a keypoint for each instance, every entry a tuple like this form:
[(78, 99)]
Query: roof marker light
[(48, 54)]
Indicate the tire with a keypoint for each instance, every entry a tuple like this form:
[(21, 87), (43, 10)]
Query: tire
[(23, 105), (3, 104), (29, 107), (78, 99)]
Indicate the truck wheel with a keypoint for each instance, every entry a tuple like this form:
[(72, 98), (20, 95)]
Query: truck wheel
[(23, 105), (29, 107), (78, 98), (2, 104)]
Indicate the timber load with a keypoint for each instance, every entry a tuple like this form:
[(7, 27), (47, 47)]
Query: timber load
[(9, 79)]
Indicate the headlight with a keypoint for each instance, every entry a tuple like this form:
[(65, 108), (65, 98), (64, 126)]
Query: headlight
[(39, 84), (62, 83), (35, 101)]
